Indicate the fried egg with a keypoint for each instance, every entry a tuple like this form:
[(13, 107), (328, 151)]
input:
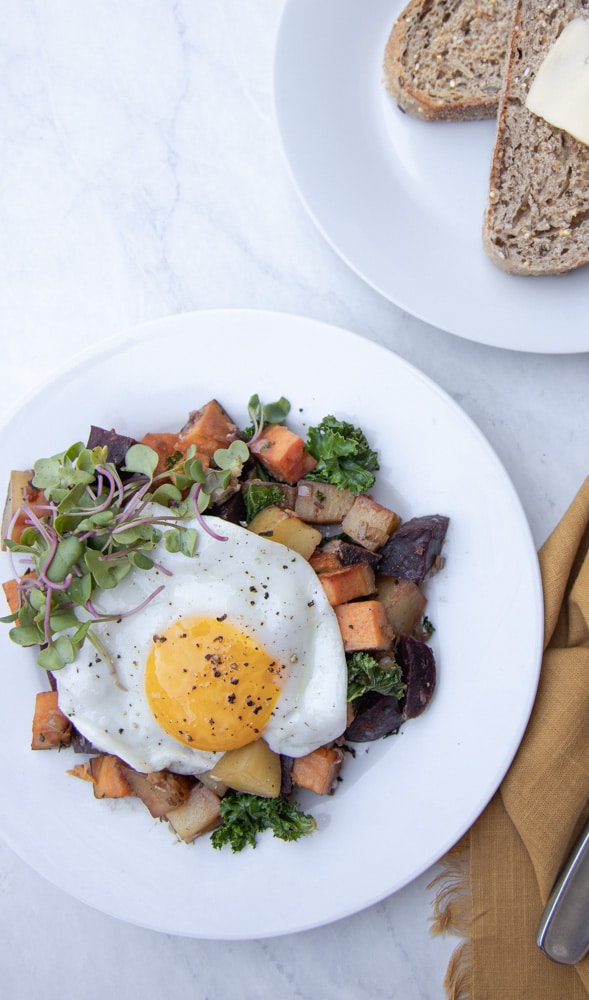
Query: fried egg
[(240, 643)]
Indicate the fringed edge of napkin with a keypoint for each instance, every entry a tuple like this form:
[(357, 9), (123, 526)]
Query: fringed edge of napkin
[(452, 915)]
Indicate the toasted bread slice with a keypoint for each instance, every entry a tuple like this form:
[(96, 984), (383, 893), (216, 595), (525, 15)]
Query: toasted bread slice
[(444, 59), (537, 216)]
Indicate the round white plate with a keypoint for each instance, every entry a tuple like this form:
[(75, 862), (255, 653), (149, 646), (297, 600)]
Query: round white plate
[(403, 801), (400, 200)]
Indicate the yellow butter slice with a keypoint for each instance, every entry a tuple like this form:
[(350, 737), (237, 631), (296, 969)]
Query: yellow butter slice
[(560, 91)]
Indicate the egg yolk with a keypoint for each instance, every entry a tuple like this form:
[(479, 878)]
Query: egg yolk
[(209, 685)]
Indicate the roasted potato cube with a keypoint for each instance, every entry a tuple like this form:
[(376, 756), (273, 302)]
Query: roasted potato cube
[(322, 503), (254, 768), (199, 813), (404, 603), (213, 783), (160, 791), (283, 526), (369, 523)]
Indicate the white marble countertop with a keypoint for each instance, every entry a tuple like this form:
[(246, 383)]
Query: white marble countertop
[(141, 175)]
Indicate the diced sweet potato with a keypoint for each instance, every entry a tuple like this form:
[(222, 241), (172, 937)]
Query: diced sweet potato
[(348, 583), (200, 813), (318, 770), (51, 728), (82, 771), (322, 503), (20, 490), (209, 428), (363, 625), (10, 589), (160, 791), (109, 776), (404, 603), (282, 453), (369, 523), (324, 561)]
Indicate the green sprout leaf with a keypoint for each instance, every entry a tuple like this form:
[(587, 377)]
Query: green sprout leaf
[(142, 459)]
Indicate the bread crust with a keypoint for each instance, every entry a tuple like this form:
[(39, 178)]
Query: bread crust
[(444, 59), (537, 217)]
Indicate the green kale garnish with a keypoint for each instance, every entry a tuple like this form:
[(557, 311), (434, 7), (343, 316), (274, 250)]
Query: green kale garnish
[(260, 495), (244, 816), (343, 455), (366, 673)]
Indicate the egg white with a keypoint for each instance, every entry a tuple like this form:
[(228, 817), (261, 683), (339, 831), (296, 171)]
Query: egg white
[(268, 591)]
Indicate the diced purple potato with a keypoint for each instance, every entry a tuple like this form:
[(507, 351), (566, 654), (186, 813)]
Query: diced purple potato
[(231, 509), (378, 715), (412, 549), (349, 553), (287, 784), (117, 444), (418, 664)]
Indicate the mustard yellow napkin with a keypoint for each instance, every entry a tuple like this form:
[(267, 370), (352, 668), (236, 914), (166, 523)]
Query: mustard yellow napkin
[(495, 883)]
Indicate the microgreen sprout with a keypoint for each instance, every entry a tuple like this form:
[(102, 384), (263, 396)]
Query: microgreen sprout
[(95, 527), (265, 413)]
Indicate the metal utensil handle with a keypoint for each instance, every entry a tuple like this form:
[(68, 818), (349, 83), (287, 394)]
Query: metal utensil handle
[(563, 932)]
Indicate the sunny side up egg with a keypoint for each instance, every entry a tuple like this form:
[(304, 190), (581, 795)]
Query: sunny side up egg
[(240, 643)]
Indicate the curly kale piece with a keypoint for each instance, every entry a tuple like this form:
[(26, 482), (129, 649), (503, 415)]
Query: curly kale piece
[(366, 674), (260, 495), (244, 816), (343, 455)]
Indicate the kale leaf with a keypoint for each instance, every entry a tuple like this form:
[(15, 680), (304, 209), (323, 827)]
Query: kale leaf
[(343, 455), (365, 673), (244, 816), (260, 495)]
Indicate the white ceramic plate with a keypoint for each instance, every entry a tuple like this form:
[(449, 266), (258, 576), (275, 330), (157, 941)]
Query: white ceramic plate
[(406, 799), (402, 201)]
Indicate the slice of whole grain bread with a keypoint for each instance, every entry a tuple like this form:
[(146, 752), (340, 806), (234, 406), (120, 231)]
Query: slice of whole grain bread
[(444, 59), (537, 216)]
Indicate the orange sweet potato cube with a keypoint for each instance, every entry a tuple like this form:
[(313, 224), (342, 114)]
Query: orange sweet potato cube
[(209, 428), (10, 589), (348, 583), (364, 625), (282, 453), (51, 728), (318, 770), (109, 777)]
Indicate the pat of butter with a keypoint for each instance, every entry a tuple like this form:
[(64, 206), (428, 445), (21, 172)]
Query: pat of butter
[(560, 90)]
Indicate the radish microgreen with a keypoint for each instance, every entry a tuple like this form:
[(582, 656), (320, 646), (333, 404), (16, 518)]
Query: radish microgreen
[(96, 527)]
